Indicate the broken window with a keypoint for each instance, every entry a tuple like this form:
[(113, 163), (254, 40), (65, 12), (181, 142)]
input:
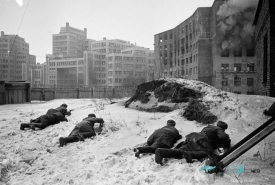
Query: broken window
[(238, 52), (250, 67), (165, 37), (237, 67), (250, 81), (237, 81), (225, 53), (225, 82), (250, 52), (225, 67)]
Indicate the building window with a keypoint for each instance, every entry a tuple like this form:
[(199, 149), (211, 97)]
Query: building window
[(238, 52), (250, 67), (225, 53), (250, 50), (182, 62), (237, 81), (265, 60), (190, 71), (225, 67), (225, 82), (237, 67), (182, 72), (250, 81)]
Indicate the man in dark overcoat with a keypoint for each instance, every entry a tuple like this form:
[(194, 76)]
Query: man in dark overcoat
[(164, 137), (198, 145), (84, 129), (44, 121), (62, 109)]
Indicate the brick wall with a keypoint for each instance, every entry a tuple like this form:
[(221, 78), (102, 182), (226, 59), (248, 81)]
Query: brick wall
[(264, 28)]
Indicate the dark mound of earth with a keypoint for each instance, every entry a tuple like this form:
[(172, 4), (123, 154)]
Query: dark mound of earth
[(164, 91)]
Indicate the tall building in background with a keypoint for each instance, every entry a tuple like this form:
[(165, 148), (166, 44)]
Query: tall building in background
[(214, 45), (80, 62), (15, 60), (70, 42), (130, 67), (117, 63)]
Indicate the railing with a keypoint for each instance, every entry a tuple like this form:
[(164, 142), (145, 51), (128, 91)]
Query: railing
[(44, 94)]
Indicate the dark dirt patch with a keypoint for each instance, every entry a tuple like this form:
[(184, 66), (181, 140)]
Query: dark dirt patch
[(197, 111), (160, 108)]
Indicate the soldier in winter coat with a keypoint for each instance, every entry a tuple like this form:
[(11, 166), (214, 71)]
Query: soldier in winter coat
[(198, 145), (82, 130), (164, 137), (62, 109), (44, 121)]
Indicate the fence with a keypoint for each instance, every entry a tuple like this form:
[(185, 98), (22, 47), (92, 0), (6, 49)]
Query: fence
[(14, 92), (50, 94)]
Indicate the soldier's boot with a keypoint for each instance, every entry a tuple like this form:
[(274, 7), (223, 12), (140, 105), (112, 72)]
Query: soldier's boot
[(24, 125), (65, 140)]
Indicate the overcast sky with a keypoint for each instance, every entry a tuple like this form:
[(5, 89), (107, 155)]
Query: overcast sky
[(136, 21)]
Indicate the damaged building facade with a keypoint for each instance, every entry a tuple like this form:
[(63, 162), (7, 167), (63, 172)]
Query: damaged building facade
[(264, 23), (215, 45)]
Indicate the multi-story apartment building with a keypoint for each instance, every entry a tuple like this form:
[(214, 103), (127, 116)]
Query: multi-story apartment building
[(15, 60), (194, 50), (68, 68), (110, 46), (37, 75), (70, 42), (66, 72), (130, 67)]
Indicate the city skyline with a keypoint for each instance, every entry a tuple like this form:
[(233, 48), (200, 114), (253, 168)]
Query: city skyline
[(133, 21)]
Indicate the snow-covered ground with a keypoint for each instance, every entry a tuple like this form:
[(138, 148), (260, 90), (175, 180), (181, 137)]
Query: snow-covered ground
[(34, 158)]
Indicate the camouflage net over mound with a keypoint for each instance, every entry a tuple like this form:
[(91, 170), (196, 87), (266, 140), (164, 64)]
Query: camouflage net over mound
[(199, 112), (176, 93), (171, 92), (141, 93)]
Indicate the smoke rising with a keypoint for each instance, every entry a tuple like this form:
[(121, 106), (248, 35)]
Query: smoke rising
[(235, 23)]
